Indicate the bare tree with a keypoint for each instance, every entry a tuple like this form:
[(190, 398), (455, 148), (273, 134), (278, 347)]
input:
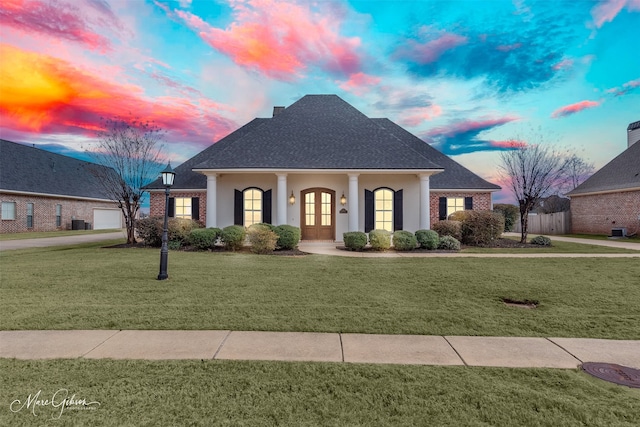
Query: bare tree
[(577, 171), (131, 152), (532, 172)]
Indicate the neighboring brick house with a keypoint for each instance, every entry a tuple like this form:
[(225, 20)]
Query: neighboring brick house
[(44, 191), (323, 166), (610, 198)]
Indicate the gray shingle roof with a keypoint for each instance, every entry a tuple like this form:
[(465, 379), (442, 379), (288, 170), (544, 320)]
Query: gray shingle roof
[(29, 169), (324, 132), (620, 173), (318, 132), (454, 177)]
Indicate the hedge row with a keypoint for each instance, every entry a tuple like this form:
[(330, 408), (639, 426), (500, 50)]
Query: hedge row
[(184, 232), (380, 240)]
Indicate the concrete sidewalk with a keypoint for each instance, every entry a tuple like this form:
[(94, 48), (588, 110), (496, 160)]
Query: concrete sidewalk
[(43, 242), (512, 352)]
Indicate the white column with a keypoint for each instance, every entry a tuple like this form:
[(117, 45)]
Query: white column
[(353, 202), (281, 209), (425, 203), (212, 194)]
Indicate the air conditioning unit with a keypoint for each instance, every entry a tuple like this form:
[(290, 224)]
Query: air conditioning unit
[(619, 232)]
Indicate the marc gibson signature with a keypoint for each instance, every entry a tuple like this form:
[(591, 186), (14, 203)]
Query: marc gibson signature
[(60, 400)]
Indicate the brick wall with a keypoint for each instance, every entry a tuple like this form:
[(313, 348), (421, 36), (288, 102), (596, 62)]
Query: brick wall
[(481, 202), (44, 212), (599, 213), (157, 202)]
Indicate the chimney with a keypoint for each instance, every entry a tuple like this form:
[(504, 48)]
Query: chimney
[(633, 133), (277, 110)]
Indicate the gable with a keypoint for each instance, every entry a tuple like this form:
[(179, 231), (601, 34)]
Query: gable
[(621, 173)]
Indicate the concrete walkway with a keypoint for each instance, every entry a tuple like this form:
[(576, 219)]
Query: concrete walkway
[(7, 245), (512, 352)]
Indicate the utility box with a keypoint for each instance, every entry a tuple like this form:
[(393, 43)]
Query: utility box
[(619, 232), (77, 224)]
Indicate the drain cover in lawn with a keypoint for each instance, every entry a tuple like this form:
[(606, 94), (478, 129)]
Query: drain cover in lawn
[(611, 372)]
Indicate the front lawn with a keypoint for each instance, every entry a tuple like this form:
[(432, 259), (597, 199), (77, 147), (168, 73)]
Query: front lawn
[(44, 234), (88, 287), (228, 393)]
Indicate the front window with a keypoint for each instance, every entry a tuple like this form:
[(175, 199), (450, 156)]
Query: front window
[(29, 215), (58, 215), (454, 204), (384, 209), (8, 210), (252, 206), (183, 207)]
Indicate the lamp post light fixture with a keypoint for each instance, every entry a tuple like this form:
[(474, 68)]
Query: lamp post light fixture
[(168, 175)]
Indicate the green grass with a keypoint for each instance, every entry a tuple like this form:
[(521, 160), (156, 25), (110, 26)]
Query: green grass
[(228, 393), (87, 287), (42, 234), (635, 239), (556, 247)]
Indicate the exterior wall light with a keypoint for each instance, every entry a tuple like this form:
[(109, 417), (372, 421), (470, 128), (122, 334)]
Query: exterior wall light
[(292, 198), (343, 199)]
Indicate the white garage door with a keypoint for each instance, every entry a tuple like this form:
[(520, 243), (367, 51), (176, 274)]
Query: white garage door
[(107, 218)]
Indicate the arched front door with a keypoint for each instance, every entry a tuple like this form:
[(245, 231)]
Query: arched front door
[(317, 214)]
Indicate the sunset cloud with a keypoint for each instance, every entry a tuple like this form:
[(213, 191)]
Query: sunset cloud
[(607, 10), (626, 88), (61, 20), (42, 94), (282, 38), (430, 51), (416, 116), (360, 83), (463, 137), (567, 110)]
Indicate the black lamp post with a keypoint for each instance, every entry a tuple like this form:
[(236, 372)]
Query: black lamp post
[(168, 176)]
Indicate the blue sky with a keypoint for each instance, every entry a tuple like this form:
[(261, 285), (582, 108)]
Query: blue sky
[(469, 77)]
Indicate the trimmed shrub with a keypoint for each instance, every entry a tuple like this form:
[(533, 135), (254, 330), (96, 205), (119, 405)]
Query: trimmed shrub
[(541, 240), (179, 229), (482, 228), (511, 214), (380, 240), (459, 215), (263, 240), (449, 243), (264, 225), (448, 228), (150, 230), (173, 245), (288, 236), (428, 239), (354, 240), (404, 241), (233, 237), (203, 238)]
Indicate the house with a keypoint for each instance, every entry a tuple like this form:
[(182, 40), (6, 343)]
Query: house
[(323, 166), (610, 198), (44, 191)]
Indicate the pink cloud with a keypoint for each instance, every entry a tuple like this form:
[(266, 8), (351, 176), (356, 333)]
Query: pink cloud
[(564, 64), (60, 20), (607, 10), (626, 88), (416, 116), (281, 38), (426, 53), (512, 143), (509, 47), (360, 83), (567, 110), (467, 126)]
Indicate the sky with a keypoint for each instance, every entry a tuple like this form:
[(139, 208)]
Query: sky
[(469, 77)]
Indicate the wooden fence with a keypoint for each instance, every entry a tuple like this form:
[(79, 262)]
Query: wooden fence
[(555, 223)]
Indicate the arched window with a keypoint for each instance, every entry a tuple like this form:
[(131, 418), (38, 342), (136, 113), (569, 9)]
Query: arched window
[(252, 202), (383, 209)]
